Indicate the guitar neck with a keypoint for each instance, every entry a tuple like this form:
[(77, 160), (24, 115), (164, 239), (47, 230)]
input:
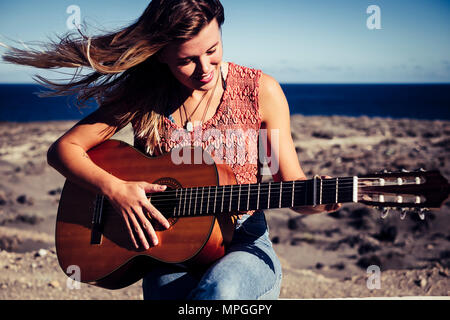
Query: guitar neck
[(211, 200)]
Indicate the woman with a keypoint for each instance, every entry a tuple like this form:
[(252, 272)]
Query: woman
[(163, 74)]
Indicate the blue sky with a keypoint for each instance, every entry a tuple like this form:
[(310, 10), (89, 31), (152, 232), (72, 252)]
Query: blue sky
[(314, 41)]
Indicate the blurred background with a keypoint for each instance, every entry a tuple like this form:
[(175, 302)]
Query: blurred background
[(353, 57)]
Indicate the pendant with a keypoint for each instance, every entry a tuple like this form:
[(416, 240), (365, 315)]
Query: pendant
[(189, 126)]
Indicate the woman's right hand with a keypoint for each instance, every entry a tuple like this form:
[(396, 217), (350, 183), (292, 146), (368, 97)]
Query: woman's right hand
[(130, 201)]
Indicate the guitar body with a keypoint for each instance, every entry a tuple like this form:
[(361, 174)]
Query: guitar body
[(92, 240), (114, 262)]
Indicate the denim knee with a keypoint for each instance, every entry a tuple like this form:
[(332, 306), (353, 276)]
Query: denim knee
[(216, 291)]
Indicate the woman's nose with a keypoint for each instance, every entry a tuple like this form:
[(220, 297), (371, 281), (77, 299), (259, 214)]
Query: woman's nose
[(204, 65)]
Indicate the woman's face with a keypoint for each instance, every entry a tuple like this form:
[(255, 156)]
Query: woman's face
[(196, 62)]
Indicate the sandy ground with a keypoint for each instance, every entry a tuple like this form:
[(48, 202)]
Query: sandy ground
[(323, 256)]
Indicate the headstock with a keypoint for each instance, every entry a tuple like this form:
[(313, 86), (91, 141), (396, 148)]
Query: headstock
[(414, 191)]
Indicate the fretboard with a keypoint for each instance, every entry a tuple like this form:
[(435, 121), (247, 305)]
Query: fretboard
[(213, 200)]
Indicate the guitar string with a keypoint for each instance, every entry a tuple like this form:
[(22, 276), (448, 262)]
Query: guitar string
[(230, 198), (275, 194), (301, 183), (201, 210), (201, 213), (264, 188), (165, 204), (234, 193), (274, 186), (230, 201), (286, 184), (276, 199)]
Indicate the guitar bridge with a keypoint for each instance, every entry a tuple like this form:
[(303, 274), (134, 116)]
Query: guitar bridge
[(96, 232)]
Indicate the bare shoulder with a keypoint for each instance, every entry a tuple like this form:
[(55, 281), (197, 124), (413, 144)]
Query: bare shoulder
[(91, 131), (272, 101), (268, 86)]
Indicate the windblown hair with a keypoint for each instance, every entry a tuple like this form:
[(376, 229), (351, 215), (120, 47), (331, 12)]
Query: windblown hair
[(128, 82)]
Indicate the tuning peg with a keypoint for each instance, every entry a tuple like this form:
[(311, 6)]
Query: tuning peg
[(421, 170), (403, 212), (385, 213), (421, 212), (404, 170)]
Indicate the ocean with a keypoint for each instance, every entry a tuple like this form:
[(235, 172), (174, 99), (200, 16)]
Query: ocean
[(18, 102)]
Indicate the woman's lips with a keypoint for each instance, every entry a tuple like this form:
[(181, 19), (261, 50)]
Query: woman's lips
[(208, 78)]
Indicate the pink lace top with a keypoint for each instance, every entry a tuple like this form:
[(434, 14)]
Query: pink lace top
[(231, 135)]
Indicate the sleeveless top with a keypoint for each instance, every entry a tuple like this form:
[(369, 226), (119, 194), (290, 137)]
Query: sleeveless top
[(231, 135)]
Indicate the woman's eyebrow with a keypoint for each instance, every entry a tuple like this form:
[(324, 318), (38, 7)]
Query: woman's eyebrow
[(213, 45), (190, 57)]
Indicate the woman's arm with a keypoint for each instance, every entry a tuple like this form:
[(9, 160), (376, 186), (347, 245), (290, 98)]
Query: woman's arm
[(68, 155), (274, 111)]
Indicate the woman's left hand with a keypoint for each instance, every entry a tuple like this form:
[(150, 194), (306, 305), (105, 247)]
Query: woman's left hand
[(323, 208)]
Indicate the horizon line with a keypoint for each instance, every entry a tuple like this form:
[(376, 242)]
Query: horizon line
[(301, 83)]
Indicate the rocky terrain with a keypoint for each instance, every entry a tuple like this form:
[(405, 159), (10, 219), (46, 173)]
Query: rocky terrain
[(323, 256)]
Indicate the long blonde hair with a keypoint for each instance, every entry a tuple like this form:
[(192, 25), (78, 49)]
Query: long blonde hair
[(127, 80)]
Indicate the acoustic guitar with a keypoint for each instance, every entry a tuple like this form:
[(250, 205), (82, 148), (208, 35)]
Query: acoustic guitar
[(201, 202)]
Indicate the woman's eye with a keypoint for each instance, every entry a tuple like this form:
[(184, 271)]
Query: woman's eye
[(184, 62), (211, 52)]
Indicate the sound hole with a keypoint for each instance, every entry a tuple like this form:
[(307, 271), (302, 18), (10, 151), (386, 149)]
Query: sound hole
[(165, 202)]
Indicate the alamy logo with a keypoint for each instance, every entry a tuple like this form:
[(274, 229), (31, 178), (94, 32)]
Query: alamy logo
[(234, 146), (374, 20), (74, 20), (74, 273), (374, 279)]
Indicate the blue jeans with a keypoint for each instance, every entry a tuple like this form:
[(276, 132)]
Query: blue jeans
[(249, 270)]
